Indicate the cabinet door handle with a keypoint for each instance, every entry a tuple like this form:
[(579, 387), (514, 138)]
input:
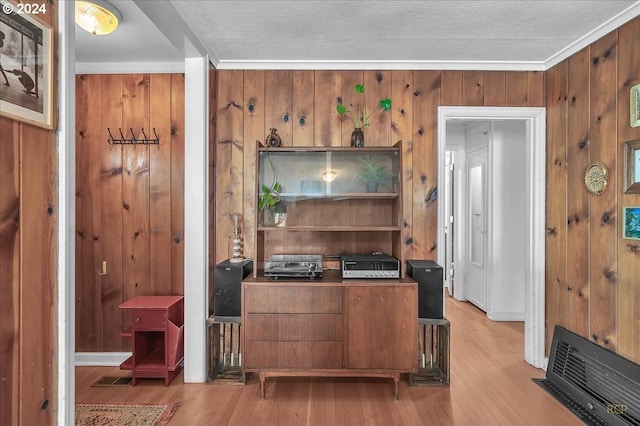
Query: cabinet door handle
[(137, 320), (404, 299), (381, 299), (359, 298)]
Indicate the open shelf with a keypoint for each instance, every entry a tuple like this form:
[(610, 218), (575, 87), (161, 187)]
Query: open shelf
[(301, 196)]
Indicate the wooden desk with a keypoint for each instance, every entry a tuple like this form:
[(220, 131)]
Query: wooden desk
[(157, 337)]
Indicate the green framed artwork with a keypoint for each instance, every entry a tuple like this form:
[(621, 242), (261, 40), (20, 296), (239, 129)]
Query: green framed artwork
[(631, 223), (634, 103)]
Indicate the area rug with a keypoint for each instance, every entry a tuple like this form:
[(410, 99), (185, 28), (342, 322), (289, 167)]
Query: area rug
[(125, 414)]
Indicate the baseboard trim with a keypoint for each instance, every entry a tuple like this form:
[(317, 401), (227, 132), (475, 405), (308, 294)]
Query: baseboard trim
[(100, 359), (506, 316)]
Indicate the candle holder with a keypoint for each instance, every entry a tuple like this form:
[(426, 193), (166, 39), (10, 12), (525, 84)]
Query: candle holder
[(237, 240)]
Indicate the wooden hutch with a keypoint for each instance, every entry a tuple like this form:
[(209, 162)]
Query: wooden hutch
[(329, 326)]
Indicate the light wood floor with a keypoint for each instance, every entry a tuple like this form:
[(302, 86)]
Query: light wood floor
[(490, 385)]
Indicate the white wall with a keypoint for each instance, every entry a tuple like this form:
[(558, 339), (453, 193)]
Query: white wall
[(507, 221), (456, 142)]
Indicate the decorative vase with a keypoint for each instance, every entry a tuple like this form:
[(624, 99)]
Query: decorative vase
[(357, 138), (372, 186), (273, 216), (273, 139)]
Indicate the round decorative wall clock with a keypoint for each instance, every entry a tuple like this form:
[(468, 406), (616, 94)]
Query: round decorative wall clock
[(595, 178)]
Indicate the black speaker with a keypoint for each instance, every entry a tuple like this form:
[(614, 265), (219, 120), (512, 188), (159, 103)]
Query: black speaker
[(227, 279), (428, 275)]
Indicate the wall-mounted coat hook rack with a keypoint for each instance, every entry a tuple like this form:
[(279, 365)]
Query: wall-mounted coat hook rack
[(133, 140)]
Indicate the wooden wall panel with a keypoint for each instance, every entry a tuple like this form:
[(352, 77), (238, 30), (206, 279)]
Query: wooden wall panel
[(601, 268), (9, 270), (517, 84), (229, 158), (28, 264), (578, 148), (160, 246), (426, 96), (495, 88), (402, 130), (556, 209), (603, 212), (278, 90), (130, 200), (313, 95), (135, 187), (109, 232), (377, 86), (177, 179), (327, 124), (535, 89), (472, 88), (38, 315), (88, 217), (451, 93), (628, 309), (255, 130), (303, 101)]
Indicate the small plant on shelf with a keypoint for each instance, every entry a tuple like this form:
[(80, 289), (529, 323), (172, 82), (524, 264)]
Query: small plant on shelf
[(360, 119), (373, 173)]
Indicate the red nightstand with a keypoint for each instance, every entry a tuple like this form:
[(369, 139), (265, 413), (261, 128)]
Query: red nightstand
[(157, 337)]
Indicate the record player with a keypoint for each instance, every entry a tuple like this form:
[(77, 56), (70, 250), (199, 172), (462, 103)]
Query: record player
[(293, 266)]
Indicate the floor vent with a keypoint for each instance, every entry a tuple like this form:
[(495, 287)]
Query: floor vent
[(597, 385)]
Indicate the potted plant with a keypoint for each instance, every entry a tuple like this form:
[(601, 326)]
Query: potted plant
[(360, 119), (270, 202), (373, 173)]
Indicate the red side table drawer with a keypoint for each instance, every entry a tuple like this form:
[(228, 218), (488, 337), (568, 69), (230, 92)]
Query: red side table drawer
[(149, 319)]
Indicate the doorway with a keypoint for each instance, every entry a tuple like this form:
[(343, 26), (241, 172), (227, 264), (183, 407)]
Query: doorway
[(534, 195)]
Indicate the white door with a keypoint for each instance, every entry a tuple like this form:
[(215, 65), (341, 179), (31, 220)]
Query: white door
[(476, 283)]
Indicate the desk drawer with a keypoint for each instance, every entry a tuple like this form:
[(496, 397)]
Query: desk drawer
[(293, 299), (294, 327), (145, 319)]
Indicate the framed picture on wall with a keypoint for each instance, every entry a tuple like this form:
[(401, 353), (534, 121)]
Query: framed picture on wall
[(635, 106), (26, 64), (631, 223), (632, 167)]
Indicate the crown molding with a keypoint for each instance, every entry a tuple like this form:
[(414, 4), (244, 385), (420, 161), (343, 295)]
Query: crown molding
[(612, 24), (129, 67), (381, 65)]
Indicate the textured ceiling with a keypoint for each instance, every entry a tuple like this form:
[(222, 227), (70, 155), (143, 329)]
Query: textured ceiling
[(325, 34)]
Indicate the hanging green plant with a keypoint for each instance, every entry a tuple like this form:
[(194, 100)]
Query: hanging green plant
[(271, 195)]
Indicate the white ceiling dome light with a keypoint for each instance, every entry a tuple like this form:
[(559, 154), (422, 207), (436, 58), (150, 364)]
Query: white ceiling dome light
[(97, 17)]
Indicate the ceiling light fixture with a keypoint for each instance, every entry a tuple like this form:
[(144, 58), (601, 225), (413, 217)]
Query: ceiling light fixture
[(329, 176), (97, 17)]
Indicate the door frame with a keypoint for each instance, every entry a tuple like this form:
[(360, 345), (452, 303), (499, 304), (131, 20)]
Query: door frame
[(535, 119)]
